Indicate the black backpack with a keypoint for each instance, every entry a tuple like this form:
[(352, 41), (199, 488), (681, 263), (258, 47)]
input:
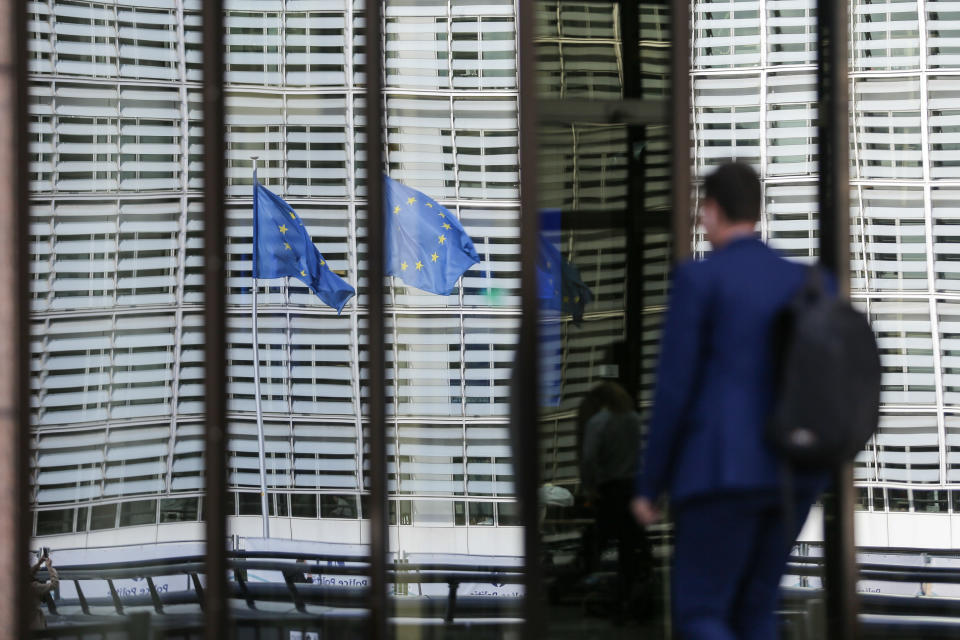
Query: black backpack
[(827, 379)]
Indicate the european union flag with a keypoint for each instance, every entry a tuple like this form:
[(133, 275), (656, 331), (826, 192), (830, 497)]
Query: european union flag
[(559, 284), (560, 290), (282, 247), (549, 285), (426, 246)]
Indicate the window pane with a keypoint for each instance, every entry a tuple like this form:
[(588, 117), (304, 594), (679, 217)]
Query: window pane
[(250, 504), (303, 505), (178, 509), (141, 512), (103, 516), (899, 499), (338, 506), (53, 522), (481, 513)]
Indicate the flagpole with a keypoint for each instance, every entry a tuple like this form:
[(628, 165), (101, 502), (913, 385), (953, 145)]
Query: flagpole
[(261, 455)]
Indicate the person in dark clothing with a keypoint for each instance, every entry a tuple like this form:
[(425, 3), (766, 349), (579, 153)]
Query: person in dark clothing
[(610, 437), (40, 590), (302, 577), (706, 447)]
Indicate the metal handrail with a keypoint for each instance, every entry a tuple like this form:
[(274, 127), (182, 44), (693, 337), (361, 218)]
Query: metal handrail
[(348, 601), (291, 590)]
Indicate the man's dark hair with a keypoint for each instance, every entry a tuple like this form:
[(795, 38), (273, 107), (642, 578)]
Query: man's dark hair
[(736, 188)]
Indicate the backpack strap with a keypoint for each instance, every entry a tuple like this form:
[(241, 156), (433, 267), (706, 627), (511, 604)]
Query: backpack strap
[(813, 287), (814, 283)]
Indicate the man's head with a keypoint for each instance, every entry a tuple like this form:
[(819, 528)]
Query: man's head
[(607, 395), (731, 202)]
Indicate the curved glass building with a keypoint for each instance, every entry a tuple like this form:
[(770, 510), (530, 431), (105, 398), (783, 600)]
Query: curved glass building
[(754, 96), (117, 223), (117, 276)]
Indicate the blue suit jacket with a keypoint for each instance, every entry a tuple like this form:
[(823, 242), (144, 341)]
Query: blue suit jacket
[(714, 386)]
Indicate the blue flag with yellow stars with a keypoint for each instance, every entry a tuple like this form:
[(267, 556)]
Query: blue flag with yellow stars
[(559, 285), (282, 247), (549, 291), (426, 246)]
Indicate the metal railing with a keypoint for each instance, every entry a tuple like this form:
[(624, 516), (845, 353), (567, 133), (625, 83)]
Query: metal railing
[(880, 615), (345, 609), (349, 604)]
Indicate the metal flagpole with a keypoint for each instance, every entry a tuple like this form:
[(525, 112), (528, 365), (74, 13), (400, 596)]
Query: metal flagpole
[(261, 450)]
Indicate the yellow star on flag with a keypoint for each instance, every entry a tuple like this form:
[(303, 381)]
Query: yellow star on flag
[(292, 215), (303, 273), (441, 215), (286, 245), (434, 256), (403, 266), (419, 265), (442, 238), (411, 200), (283, 228), (323, 262), (430, 205), (396, 209), (446, 226)]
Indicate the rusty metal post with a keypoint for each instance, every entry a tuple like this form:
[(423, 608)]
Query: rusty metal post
[(376, 356), (217, 624), (524, 405), (15, 525)]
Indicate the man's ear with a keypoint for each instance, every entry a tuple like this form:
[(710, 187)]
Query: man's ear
[(720, 214)]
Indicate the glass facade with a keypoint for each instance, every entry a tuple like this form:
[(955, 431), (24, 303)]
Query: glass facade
[(116, 323), (754, 76), (116, 260), (116, 263), (604, 180)]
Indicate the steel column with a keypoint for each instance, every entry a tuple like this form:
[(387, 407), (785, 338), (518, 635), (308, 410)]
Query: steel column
[(217, 624), (15, 526), (834, 210), (379, 548), (635, 222), (524, 426)]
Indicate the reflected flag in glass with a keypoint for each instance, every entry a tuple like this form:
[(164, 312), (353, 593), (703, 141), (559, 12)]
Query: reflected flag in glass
[(282, 247), (426, 245), (559, 285), (549, 286), (560, 289)]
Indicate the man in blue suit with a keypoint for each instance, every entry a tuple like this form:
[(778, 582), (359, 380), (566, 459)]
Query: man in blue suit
[(706, 446)]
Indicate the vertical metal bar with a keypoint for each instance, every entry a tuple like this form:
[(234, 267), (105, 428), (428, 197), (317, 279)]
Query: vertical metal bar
[(375, 324), (680, 128), (524, 416), (154, 596), (214, 263), (834, 153), (117, 602), (15, 526), (635, 221), (261, 445), (834, 210), (198, 587)]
